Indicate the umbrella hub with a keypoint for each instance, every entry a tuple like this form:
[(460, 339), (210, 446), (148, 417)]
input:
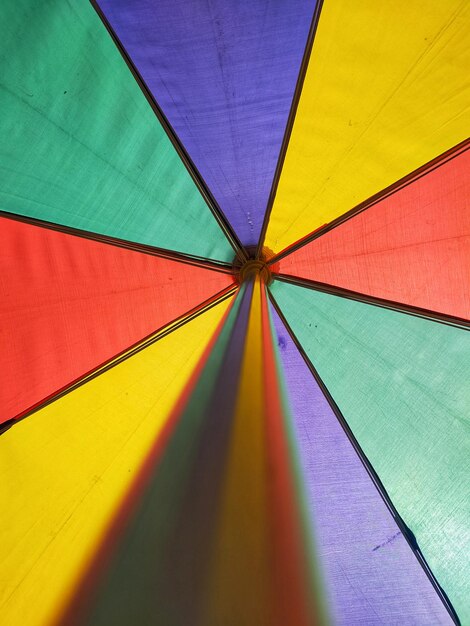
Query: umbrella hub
[(253, 267)]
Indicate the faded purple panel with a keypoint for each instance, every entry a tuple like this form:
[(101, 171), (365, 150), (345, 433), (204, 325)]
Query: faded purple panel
[(224, 73), (370, 573)]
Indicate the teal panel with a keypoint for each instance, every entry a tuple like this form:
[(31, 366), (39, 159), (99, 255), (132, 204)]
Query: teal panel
[(80, 145), (402, 383)]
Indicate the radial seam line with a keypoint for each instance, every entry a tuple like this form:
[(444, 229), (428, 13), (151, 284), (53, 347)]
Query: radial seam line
[(210, 264)]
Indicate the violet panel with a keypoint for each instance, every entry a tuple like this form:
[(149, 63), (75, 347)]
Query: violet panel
[(224, 74)]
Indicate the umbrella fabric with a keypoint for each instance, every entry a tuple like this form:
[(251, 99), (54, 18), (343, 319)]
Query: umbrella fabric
[(79, 303), (348, 512), (385, 92), (95, 158), (386, 378), (234, 310), (391, 250), (227, 90)]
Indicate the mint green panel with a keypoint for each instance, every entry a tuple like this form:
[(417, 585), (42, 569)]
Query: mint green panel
[(403, 385), (80, 145)]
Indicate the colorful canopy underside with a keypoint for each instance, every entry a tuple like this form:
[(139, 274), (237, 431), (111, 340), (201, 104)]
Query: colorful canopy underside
[(224, 74), (79, 303), (401, 383), (189, 447), (66, 469), (84, 148), (386, 90), (369, 571), (410, 247)]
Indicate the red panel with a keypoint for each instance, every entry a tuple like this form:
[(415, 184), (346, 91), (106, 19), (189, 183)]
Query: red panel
[(68, 304), (412, 247)]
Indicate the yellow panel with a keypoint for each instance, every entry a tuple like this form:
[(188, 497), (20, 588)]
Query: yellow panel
[(386, 90), (65, 469)]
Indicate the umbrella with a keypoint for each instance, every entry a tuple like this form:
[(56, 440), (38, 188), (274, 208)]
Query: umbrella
[(234, 312)]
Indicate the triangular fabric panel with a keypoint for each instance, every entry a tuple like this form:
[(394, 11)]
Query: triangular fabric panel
[(224, 74), (67, 304), (412, 247), (386, 91), (369, 571), (401, 383), (66, 469), (81, 145)]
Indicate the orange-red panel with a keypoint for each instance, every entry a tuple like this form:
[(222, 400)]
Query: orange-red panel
[(68, 304), (412, 247)]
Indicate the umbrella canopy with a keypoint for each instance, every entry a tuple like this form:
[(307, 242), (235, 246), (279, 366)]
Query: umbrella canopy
[(235, 304)]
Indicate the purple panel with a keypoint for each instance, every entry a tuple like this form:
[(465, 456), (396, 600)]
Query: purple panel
[(224, 73), (370, 573)]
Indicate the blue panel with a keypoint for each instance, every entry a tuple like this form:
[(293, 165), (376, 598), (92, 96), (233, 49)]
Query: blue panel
[(224, 73)]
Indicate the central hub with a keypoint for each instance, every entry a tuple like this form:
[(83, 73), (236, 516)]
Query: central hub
[(253, 268)]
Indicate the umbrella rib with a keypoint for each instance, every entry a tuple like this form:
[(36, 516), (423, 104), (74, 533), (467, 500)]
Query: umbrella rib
[(210, 264), (199, 181), (400, 307), (132, 350), (290, 123), (406, 532), (410, 178)]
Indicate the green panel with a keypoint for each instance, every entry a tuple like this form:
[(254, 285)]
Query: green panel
[(402, 383), (80, 144)]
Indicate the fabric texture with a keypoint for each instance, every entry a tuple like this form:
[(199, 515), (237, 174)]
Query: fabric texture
[(180, 462), (71, 304), (224, 74), (370, 574), (211, 534), (413, 247), (82, 146), (66, 469), (401, 383), (386, 91)]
